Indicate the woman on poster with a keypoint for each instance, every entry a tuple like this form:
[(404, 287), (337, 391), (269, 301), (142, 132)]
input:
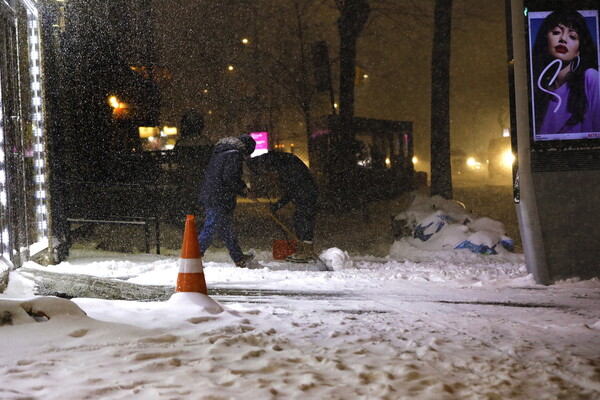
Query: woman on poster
[(565, 71)]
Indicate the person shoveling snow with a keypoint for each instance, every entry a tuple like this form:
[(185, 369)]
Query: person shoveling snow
[(298, 187)]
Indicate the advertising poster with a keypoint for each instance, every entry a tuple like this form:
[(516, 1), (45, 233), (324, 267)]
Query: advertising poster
[(564, 78), (262, 143)]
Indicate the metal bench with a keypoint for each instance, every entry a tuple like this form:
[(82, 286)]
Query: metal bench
[(119, 220), (113, 203)]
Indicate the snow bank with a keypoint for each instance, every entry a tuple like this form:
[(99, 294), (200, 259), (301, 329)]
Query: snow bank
[(433, 223)]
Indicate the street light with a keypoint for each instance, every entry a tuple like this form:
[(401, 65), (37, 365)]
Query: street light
[(119, 108), (113, 101)]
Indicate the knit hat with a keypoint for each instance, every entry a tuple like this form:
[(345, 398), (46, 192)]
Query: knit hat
[(248, 142)]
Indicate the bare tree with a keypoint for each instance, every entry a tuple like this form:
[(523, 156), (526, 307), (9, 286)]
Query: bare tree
[(352, 19), (279, 57)]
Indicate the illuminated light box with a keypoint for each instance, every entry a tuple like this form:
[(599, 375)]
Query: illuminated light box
[(262, 143), (146, 132), (554, 98)]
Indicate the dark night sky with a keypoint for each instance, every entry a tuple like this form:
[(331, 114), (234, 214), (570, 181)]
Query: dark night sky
[(398, 65)]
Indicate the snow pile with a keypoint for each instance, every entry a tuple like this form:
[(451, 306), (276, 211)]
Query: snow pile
[(336, 259), (437, 224), (194, 302), (16, 312)]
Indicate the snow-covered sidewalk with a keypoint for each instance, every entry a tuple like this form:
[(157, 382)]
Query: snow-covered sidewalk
[(421, 323), (455, 326)]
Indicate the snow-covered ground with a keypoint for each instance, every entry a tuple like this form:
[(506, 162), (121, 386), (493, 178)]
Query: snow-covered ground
[(421, 323)]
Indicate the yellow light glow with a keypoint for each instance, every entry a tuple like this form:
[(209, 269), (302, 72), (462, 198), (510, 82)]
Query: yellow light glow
[(245, 41), (471, 162), (387, 162), (114, 102), (230, 67), (508, 158), (415, 160), (147, 131), (169, 130)]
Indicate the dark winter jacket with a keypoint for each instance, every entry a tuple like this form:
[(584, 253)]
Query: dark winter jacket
[(295, 180), (223, 176)]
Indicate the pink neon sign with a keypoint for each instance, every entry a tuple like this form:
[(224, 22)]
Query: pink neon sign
[(262, 142)]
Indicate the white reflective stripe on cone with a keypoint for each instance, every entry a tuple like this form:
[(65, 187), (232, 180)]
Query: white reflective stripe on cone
[(190, 265)]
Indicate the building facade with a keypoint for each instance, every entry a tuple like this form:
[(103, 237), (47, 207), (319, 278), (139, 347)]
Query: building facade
[(24, 217)]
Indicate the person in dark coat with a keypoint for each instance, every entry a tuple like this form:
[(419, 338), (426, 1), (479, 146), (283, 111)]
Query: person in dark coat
[(191, 155), (298, 186), (222, 184)]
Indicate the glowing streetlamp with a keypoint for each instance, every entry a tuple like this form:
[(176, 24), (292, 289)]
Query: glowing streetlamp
[(113, 101), (119, 108)]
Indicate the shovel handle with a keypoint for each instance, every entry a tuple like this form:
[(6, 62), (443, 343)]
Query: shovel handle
[(278, 220)]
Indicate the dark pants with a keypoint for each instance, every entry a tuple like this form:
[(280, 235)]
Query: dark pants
[(219, 221), (304, 218)]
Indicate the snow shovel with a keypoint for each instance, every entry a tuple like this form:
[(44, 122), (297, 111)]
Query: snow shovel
[(290, 232)]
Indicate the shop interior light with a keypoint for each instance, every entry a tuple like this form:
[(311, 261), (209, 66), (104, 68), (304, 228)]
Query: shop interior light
[(147, 131), (170, 130)]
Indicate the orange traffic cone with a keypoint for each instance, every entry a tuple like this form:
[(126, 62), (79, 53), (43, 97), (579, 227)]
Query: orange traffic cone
[(191, 272)]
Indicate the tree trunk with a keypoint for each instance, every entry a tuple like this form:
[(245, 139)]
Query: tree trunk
[(352, 19), (441, 172)]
